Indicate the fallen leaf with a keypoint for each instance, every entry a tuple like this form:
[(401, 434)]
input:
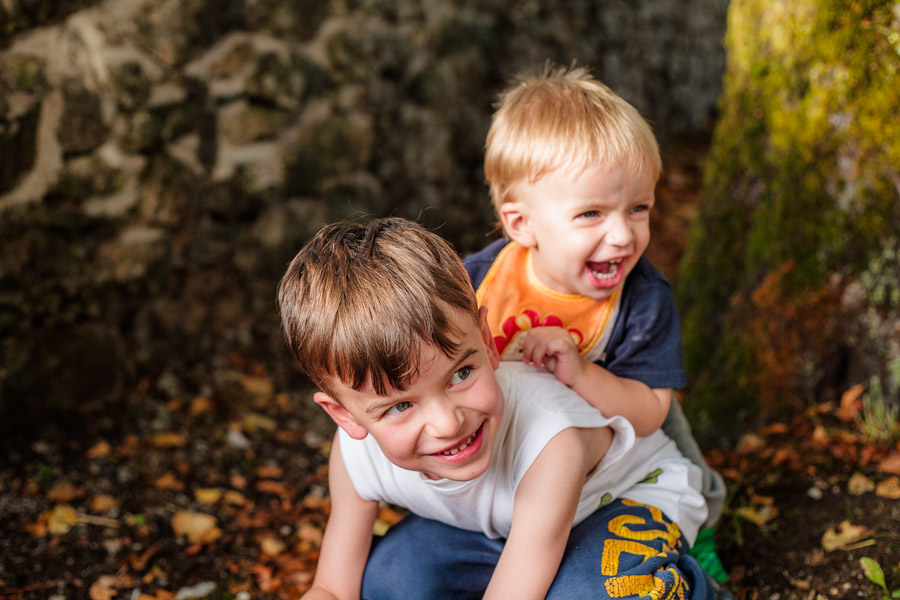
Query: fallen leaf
[(253, 422), (750, 442), (890, 464), (859, 484), (889, 488), (846, 535), (61, 519), (235, 498), (272, 487), (271, 546), (774, 429), (310, 535), (64, 492), (168, 440), (759, 515), (168, 481), (201, 405), (99, 450), (270, 472), (208, 495), (199, 528), (257, 386), (849, 407), (101, 503), (106, 586), (819, 437)]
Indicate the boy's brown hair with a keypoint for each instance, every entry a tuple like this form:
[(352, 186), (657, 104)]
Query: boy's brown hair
[(563, 117), (358, 302)]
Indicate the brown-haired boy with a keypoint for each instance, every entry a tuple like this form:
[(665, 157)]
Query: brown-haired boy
[(524, 490)]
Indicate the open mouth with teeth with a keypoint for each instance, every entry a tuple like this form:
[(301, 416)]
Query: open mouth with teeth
[(468, 447), (606, 273)]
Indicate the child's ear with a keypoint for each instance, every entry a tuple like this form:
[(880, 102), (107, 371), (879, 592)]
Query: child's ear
[(340, 415), (488, 339), (516, 224)]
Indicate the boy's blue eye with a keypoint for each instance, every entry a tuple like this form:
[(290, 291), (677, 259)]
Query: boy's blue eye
[(641, 208), (398, 408), (590, 214), (460, 375)]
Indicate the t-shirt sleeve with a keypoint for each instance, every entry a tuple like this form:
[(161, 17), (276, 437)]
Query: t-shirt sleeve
[(646, 341), (479, 263)]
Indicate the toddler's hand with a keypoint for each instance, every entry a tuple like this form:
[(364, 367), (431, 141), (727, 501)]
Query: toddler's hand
[(553, 348)]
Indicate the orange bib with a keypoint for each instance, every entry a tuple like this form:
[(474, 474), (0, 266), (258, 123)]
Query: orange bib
[(518, 302)]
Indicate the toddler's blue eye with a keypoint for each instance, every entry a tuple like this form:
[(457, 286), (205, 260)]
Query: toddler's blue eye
[(591, 214), (461, 375), (398, 408)]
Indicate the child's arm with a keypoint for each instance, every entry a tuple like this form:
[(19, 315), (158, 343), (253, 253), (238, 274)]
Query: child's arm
[(544, 508), (553, 348), (348, 536)]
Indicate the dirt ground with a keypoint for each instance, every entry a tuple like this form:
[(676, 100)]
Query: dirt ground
[(222, 493)]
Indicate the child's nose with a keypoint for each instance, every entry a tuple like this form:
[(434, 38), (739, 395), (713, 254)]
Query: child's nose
[(444, 419), (619, 232)]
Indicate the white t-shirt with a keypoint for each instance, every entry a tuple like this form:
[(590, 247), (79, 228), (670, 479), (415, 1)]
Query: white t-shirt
[(648, 469)]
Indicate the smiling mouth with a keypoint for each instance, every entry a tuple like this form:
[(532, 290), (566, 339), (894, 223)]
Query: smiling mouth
[(605, 270), (462, 446)]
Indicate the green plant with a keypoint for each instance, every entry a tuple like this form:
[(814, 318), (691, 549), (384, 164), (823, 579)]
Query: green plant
[(875, 574), (878, 421)]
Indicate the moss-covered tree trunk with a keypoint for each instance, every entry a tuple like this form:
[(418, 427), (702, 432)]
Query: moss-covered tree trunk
[(790, 288)]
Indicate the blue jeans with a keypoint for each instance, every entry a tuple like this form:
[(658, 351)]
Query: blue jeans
[(624, 549)]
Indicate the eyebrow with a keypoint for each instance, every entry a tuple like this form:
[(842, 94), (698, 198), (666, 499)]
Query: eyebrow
[(382, 404)]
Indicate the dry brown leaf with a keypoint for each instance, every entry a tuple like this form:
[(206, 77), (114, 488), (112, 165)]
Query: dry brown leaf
[(101, 503), (199, 528), (849, 403), (61, 519), (271, 546), (99, 450), (106, 586), (208, 495), (257, 386), (201, 405), (64, 492), (846, 534), (774, 429), (235, 498), (253, 422), (310, 537), (272, 487), (759, 515), (889, 488), (859, 484), (820, 437), (890, 464), (168, 439), (750, 442), (168, 481), (270, 472)]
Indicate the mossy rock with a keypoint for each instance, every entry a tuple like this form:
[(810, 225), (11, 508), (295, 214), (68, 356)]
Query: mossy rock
[(800, 196)]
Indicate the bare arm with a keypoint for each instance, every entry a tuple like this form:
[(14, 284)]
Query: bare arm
[(553, 348), (348, 537), (545, 504)]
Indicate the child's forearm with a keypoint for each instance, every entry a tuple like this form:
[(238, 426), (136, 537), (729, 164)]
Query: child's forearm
[(645, 408), (545, 504)]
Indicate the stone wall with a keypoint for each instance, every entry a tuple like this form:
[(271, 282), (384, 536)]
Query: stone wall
[(162, 160)]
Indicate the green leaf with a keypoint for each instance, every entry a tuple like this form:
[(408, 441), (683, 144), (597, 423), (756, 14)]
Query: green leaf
[(873, 571), (895, 594)]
